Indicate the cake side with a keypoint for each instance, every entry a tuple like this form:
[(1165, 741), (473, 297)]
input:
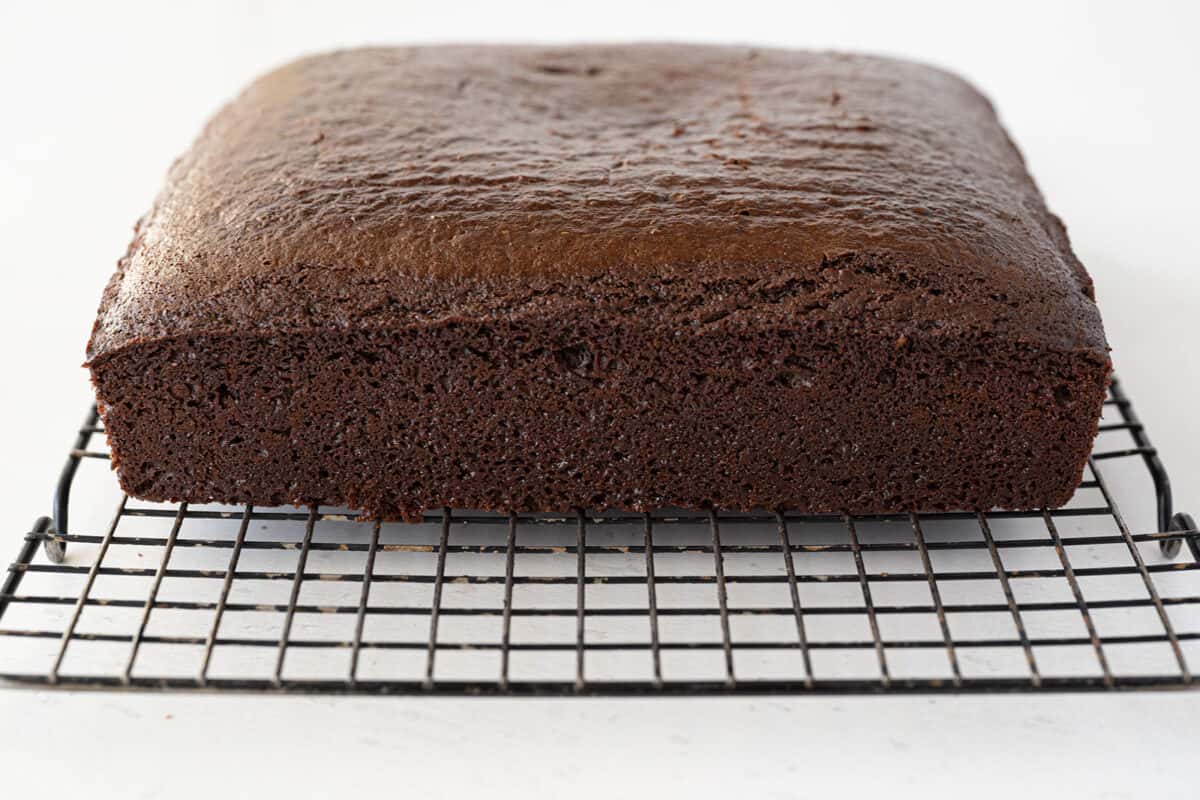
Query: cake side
[(575, 409)]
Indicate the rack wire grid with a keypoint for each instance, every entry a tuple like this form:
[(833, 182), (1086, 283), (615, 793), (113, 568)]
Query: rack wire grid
[(674, 602)]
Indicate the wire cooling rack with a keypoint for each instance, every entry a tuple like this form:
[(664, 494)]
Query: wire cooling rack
[(675, 602)]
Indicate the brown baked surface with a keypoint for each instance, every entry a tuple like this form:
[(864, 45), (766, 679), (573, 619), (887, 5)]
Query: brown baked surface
[(541, 278)]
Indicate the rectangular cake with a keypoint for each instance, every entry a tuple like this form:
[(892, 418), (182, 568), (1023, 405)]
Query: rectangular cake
[(531, 278)]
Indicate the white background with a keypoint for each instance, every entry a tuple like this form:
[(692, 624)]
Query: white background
[(99, 97)]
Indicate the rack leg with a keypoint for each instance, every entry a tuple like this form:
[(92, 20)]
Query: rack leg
[(56, 551)]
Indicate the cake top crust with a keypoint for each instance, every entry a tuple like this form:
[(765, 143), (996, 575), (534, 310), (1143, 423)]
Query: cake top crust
[(704, 185)]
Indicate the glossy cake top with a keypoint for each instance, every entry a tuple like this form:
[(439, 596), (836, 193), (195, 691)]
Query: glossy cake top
[(393, 186)]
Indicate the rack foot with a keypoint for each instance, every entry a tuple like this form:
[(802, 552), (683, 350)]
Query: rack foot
[(1171, 547), (54, 549)]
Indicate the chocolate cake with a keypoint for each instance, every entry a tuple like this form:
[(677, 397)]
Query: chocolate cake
[(541, 278)]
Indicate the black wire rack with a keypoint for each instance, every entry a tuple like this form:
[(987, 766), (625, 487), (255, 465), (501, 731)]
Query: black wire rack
[(674, 602)]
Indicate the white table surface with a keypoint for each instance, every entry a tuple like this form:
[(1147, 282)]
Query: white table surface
[(100, 98)]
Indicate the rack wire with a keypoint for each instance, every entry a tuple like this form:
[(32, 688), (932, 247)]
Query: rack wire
[(673, 602)]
